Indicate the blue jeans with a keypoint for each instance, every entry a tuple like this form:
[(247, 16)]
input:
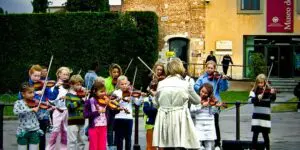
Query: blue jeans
[(123, 130)]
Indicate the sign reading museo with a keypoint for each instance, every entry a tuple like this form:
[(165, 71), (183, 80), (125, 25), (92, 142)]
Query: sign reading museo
[(280, 15)]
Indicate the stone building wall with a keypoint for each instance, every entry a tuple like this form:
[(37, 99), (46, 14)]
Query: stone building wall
[(177, 18)]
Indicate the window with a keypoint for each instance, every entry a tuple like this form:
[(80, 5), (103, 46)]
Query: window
[(250, 6)]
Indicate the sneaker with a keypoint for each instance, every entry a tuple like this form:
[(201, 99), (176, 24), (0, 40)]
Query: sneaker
[(217, 148)]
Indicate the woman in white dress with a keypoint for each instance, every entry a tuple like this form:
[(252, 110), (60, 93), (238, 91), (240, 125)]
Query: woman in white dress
[(174, 128)]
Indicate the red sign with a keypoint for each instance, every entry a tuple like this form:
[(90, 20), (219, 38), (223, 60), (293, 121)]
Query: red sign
[(280, 15)]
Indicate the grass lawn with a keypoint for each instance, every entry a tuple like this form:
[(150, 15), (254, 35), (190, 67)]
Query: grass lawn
[(8, 99), (233, 96), (286, 107)]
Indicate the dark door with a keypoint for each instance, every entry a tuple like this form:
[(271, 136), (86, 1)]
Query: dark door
[(180, 47), (285, 61), (273, 58)]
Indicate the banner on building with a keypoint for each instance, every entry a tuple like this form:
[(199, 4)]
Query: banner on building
[(280, 15)]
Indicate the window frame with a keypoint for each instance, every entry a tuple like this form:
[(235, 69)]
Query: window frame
[(297, 6), (260, 11)]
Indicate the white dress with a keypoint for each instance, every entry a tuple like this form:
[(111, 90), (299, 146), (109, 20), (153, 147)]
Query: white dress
[(204, 123)]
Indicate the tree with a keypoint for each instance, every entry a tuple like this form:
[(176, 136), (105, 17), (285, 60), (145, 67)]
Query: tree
[(39, 6), (87, 5), (1, 11), (257, 65)]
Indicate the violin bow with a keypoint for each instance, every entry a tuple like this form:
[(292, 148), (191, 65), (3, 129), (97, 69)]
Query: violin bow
[(269, 73), (135, 71), (45, 83), (147, 66), (128, 66)]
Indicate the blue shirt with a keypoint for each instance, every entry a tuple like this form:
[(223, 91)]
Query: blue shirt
[(43, 114), (89, 79), (218, 85)]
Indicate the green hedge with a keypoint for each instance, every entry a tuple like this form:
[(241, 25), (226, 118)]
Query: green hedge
[(76, 40)]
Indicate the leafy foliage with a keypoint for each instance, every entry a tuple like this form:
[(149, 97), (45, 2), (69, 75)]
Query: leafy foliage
[(76, 40), (257, 65), (39, 6), (87, 5)]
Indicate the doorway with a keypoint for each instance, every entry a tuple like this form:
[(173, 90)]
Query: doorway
[(281, 57), (180, 47)]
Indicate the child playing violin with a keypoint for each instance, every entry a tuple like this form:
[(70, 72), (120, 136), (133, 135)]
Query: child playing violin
[(204, 118), (124, 120), (74, 103), (149, 110), (43, 114), (60, 115), (28, 131), (110, 84), (219, 83), (96, 113), (261, 96), (159, 75)]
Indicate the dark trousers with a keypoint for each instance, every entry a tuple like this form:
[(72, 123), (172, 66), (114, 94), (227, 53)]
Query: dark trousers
[(110, 128), (43, 126), (266, 140), (218, 140), (225, 68), (123, 130)]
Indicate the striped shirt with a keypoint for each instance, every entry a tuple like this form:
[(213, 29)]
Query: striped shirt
[(261, 118)]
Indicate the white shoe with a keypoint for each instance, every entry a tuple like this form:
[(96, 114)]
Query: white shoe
[(217, 148)]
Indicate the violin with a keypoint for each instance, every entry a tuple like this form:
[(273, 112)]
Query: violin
[(112, 104), (215, 75), (267, 90), (35, 103), (213, 102), (39, 84), (154, 82), (81, 93), (125, 95), (136, 93)]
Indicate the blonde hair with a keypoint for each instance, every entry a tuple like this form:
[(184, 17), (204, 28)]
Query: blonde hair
[(158, 63), (76, 78), (35, 68), (121, 78), (175, 66), (211, 63), (113, 66), (260, 78), (59, 70)]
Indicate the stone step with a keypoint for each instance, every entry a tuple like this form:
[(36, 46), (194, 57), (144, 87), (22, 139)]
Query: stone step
[(286, 90), (283, 84), (283, 87), (284, 81)]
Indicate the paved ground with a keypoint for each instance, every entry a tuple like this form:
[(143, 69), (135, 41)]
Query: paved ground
[(285, 134)]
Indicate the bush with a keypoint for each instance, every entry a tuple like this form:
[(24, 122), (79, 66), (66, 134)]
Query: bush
[(76, 40), (257, 65)]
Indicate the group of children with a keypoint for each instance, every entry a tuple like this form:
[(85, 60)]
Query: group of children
[(91, 116)]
